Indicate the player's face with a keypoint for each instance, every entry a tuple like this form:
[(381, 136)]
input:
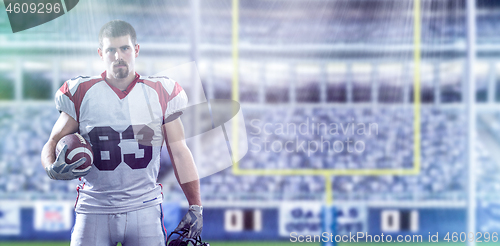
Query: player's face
[(119, 55)]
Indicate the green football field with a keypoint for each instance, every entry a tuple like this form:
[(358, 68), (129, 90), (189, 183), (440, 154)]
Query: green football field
[(25, 243)]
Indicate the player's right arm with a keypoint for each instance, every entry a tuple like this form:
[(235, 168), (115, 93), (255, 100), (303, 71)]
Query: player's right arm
[(64, 125), (56, 167)]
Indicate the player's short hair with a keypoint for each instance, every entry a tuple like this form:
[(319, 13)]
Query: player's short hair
[(117, 28)]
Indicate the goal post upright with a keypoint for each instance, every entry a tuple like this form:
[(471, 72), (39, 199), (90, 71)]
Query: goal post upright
[(328, 174), (235, 91), (417, 34)]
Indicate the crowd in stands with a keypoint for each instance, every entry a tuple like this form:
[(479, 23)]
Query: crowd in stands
[(275, 139), (442, 173), (487, 143), (25, 129)]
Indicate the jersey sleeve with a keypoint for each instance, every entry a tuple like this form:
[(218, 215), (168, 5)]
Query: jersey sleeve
[(64, 102), (176, 104)]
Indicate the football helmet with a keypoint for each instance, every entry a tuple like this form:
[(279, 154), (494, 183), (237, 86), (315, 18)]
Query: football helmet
[(180, 238)]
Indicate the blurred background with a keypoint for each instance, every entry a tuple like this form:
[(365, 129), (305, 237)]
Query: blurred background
[(327, 90)]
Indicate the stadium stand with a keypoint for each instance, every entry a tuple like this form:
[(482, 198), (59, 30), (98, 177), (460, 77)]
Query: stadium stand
[(23, 141), (442, 175), (443, 130)]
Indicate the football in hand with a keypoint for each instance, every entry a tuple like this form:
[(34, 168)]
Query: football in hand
[(78, 147)]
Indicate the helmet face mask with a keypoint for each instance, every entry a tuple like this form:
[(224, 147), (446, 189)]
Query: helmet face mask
[(179, 238)]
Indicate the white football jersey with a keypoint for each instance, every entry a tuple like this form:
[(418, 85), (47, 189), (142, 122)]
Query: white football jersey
[(124, 128)]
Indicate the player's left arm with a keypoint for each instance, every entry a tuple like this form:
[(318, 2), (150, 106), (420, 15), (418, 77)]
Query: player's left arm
[(187, 176), (182, 161)]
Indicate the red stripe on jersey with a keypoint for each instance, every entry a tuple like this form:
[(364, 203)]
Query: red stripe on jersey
[(80, 93), (122, 94), (78, 191), (77, 98), (163, 95), (163, 224), (65, 90)]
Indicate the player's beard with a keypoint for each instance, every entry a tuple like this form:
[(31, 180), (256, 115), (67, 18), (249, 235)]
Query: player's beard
[(121, 72)]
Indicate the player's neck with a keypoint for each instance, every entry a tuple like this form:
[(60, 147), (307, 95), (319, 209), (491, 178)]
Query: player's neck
[(121, 84)]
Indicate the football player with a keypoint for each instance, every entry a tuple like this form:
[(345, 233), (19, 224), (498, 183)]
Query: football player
[(126, 117)]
